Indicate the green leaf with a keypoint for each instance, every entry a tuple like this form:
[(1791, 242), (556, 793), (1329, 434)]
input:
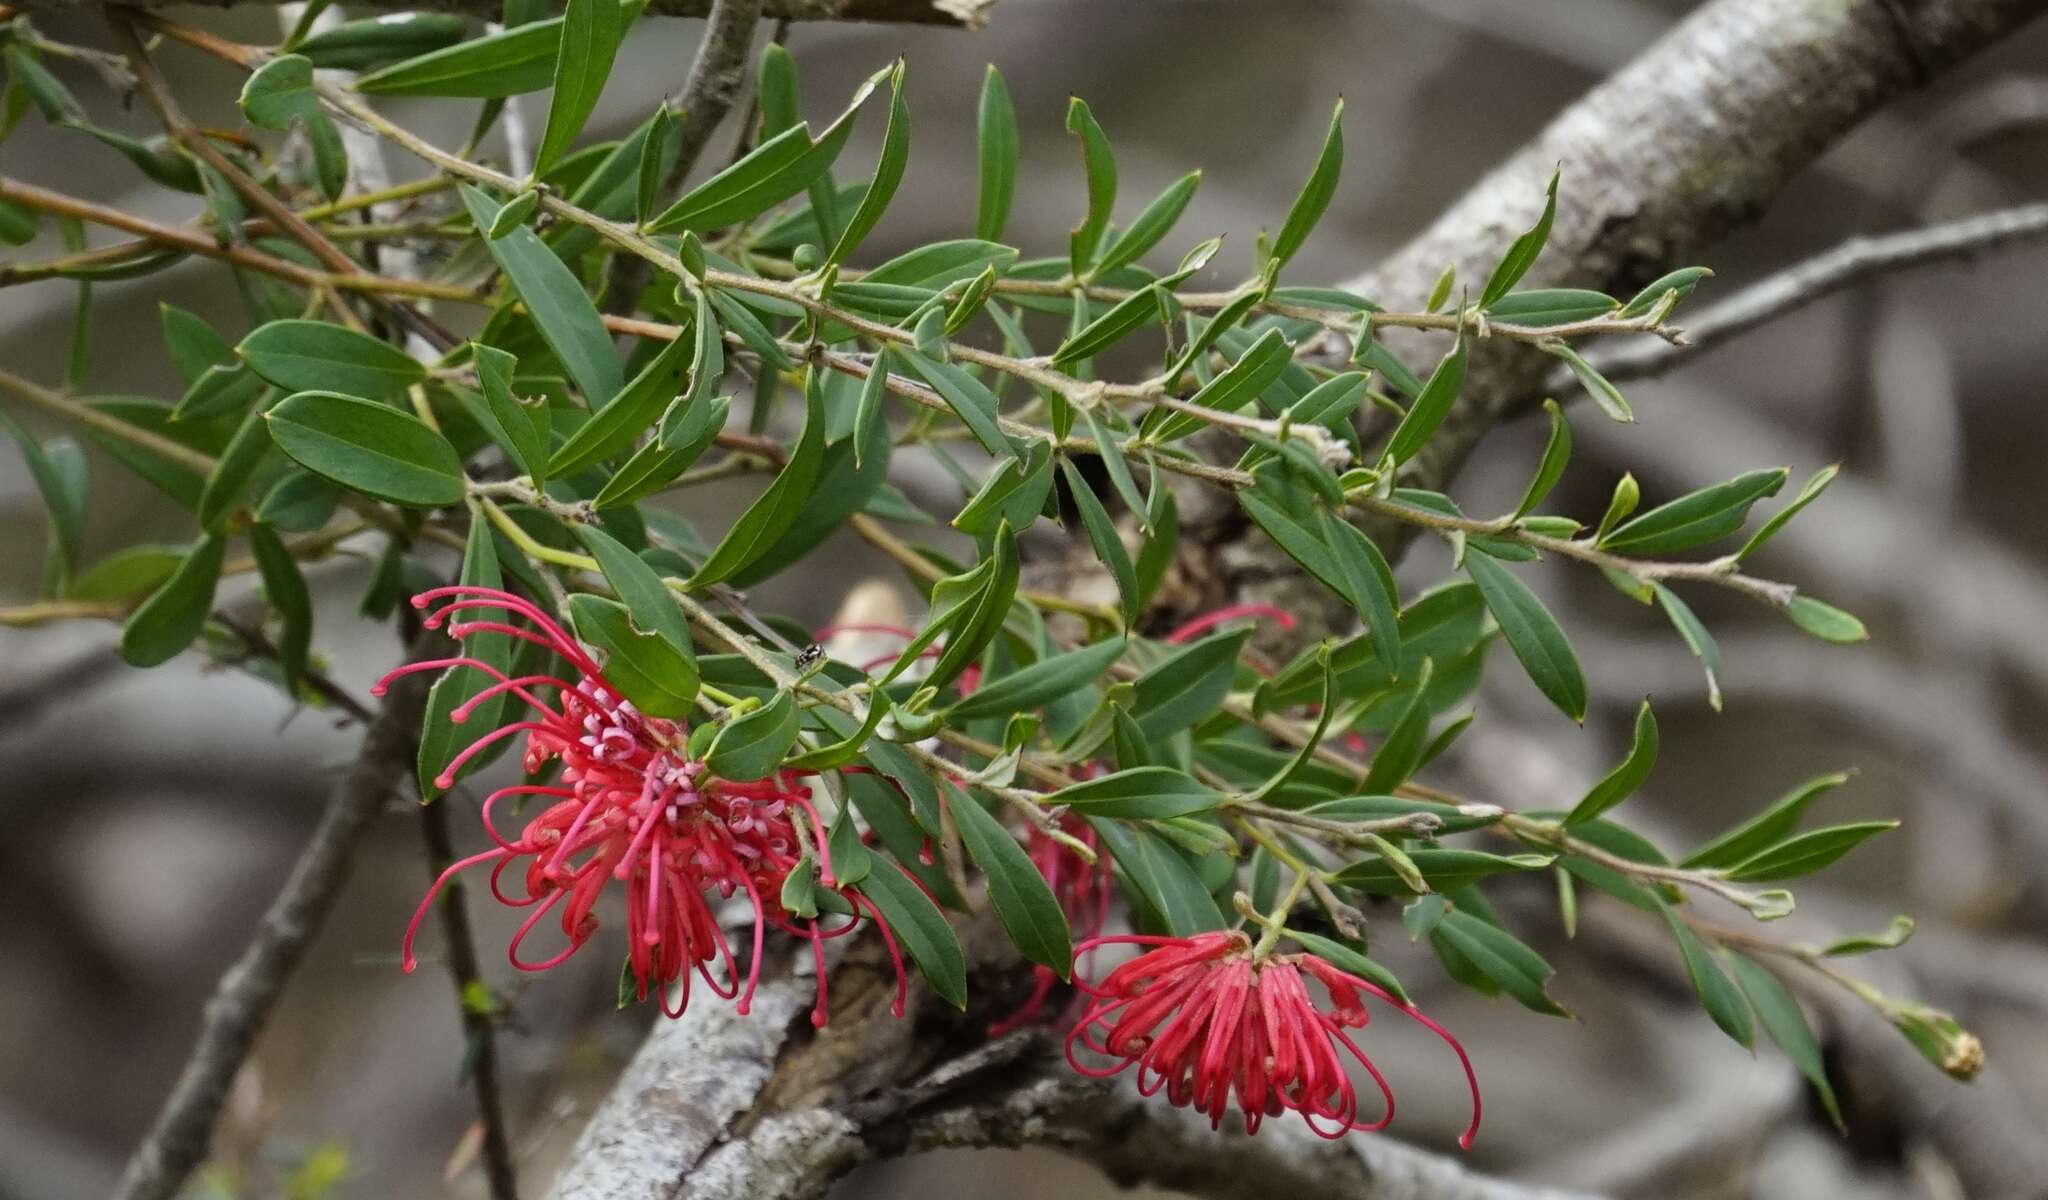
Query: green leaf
[(280, 92), (1315, 195), (1162, 514), (1123, 319), (770, 173), (1103, 536), (1681, 281), (1815, 485), (659, 679), (1446, 869), (1025, 906), (685, 423), (968, 397), (1499, 957), (1150, 225), (516, 212), (1809, 852), (997, 122), (1187, 686), (657, 152), (751, 745), (1542, 307), (238, 463), (519, 426), (1399, 754), (1430, 406), (1369, 580), (1098, 162), (1345, 958), (560, 306), (888, 174), (1696, 517), (921, 929), (1825, 621), (643, 593), (1624, 780), (1044, 681), (1229, 391), (441, 737), (1603, 393), (126, 574), (1718, 994), (1161, 877), (1696, 638), (369, 448), (174, 614), (591, 32), (1556, 453), (654, 466), (776, 509), (1533, 634), (308, 356), (371, 41), (518, 59), (1765, 829), (1894, 936), (1139, 794), (1522, 255), (1786, 1024), (286, 588), (626, 415), (67, 518)]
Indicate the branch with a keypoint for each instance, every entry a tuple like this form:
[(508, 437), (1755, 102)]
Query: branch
[(1852, 262), (178, 1139), (1691, 140), (969, 14)]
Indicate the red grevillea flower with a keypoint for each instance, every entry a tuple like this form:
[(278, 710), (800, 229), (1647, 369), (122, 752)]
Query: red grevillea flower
[(1203, 1017), (631, 806), (1210, 620)]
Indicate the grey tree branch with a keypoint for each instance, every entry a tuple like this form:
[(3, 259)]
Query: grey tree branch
[(1848, 264), (178, 1139), (971, 14), (1686, 143), (716, 75)]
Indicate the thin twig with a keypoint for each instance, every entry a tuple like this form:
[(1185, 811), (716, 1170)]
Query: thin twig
[(1844, 266), (179, 1137)]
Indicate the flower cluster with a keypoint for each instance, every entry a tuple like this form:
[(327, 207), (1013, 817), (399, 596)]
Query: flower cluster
[(1204, 1017), (630, 805)]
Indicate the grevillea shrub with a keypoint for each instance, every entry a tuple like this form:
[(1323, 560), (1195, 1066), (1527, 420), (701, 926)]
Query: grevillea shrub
[(1192, 845)]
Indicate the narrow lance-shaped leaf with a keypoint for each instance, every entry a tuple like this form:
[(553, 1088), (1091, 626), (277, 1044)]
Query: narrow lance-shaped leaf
[(1099, 165), (1025, 906), (1782, 1019), (1766, 828), (1825, 621), (1315, 195), (1718, 994), (1533, 634), (1624, 780), (772, 513), (921, 929), (1522, 255), (1556, 453), (997, 121), (1696, 517), (442, 738), (591, 32), (1603, 393), (304, 356), (1046, 680), (1103, 536), (1807, 853), (625, 415), (1430, 406), (1778, 520), (888, 174), (1150, 225), (560, 306), (638, 587), (519, 425)]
